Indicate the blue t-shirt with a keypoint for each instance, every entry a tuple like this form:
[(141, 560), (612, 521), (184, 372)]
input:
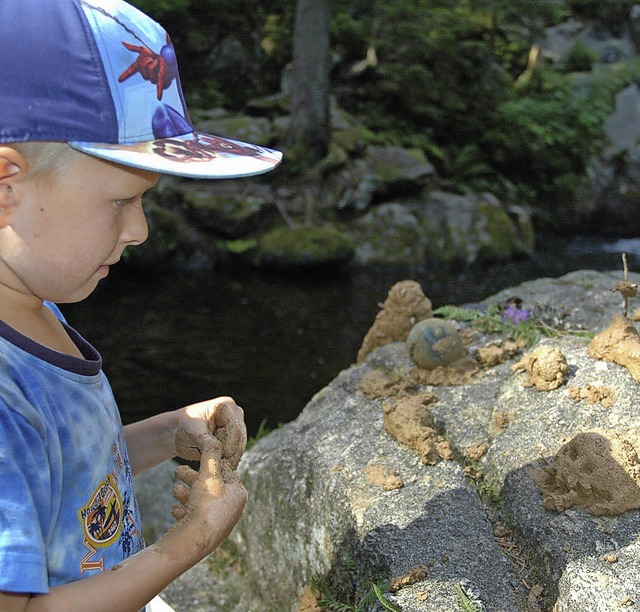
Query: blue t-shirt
[(67, 507)]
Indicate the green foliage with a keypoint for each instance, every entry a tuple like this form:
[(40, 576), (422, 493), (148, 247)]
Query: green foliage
[(444, 81), (545, 139), (329, 598), (263, 430), (294, 248), (465, 603), (579, 58), (490, 321)]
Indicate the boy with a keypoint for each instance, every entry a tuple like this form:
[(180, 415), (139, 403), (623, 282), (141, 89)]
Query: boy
[(91, 113)]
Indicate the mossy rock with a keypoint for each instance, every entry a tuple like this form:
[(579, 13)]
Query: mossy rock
[(475, 228), (297, 248), (228, 214)]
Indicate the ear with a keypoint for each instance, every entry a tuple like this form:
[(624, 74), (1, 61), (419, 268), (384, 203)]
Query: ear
[(12, 169)]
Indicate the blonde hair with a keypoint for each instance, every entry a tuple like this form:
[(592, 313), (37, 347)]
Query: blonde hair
[(47, 157)]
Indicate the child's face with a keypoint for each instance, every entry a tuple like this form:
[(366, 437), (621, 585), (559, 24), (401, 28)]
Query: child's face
[(69, 228)]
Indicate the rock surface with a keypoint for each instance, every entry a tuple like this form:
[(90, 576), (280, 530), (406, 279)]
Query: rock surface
[(335, 499)]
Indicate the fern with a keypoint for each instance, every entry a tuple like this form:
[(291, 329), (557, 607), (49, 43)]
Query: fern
[(457, 313), (465, 603), (386, 604)]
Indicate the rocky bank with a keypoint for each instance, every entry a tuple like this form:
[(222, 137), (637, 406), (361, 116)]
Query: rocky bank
[(527, 500)]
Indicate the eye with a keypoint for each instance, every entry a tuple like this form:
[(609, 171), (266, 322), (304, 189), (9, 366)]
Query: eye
[(126, 201)]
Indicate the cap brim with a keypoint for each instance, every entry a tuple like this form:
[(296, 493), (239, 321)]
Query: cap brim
[(194, 155)]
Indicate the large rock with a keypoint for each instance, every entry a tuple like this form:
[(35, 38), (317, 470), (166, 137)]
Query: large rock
[(335, 497), (610, 191)]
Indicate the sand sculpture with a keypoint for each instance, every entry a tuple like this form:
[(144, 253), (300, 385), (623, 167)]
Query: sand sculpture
[(598, 471), (619, 343), (546, 366), (405, 305)]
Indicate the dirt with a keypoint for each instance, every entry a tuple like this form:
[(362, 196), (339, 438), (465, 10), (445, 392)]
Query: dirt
[(307, 602), (380, 476), (477, 451), (405, 305), (619, 343), (494, 354), (410, 422), (598, 471), (546, 366), (592, 394)]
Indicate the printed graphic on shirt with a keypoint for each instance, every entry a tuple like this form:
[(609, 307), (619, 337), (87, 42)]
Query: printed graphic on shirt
[(110, 516), (101, 518)]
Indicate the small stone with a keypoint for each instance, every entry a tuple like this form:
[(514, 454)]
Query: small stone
[(433, 343)]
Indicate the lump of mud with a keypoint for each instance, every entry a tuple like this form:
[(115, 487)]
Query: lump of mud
[(620, 343), (410, 422), (598, 471), (405, 305), (547, 368)]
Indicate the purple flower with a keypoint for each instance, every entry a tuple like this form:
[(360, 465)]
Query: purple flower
[(515, 315)]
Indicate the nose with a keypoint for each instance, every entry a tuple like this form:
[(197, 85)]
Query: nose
[(134, 225)]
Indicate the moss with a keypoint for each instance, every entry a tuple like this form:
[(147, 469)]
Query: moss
[(295, 248), (353, 139), (501, 229)]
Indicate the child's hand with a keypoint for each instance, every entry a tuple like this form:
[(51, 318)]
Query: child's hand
[(207, 505), (220, 417)]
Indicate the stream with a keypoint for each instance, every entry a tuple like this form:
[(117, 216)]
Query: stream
[(272, 341)]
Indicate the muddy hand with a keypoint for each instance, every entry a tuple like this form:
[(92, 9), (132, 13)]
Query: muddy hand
[(221, 417), (205, 497), (230, 429)]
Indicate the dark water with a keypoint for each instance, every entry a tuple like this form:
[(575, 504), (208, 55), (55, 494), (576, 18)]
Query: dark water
[(272, 341)]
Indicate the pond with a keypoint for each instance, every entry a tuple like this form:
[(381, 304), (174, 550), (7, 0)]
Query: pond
[(272, 341)]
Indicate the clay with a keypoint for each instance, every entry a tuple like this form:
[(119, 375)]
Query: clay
[(405, 305), (378, 475), (592, 394), (598, 471), (434, 343), (414, 575), (376, 384), (410, 422), (308, 601), (619, 343), (458, 373), (495, 354), (477, 451), (546, 366)]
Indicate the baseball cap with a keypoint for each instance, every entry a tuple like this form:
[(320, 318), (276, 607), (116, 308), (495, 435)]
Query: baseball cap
[(102, 76)]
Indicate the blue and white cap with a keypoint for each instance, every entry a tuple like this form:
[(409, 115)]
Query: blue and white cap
[(103, 76)]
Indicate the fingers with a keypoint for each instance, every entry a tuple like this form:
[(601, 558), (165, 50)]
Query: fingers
[(178, 512), (186, 474), (208, 480), (230, 429)]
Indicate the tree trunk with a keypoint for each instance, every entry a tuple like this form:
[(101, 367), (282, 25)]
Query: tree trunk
[(309, 134)]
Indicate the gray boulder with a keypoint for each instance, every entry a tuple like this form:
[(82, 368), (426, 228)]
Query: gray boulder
[(335, 500)]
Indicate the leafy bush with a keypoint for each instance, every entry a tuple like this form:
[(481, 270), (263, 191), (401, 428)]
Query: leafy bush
[(545, 141), (579, 58)]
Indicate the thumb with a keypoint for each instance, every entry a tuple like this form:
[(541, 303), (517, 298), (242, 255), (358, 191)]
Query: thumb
[(211, 459)]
